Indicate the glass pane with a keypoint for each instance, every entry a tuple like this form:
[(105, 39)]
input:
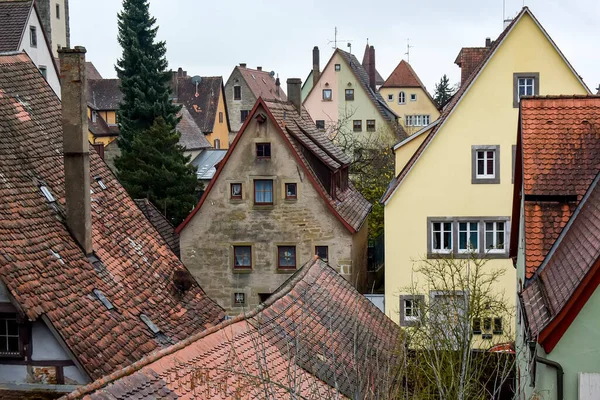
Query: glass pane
[(489, 240), (287, 256), (448, 226), (3, 345), (242, 256), (13, 344), (447, 241), (500, 226), (462, 226), (462, 240), (489, 226), (437, 226), (437, 240), (473, 226), (480, 169), (490, 166), (13, 328), (500, 242), (291, 189), (2, 327), (474, 240)]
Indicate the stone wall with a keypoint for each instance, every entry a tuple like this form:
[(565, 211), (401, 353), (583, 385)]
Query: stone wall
[(207, 241), (235, 107)]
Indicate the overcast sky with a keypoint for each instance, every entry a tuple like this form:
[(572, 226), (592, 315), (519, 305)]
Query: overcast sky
[(210, 37)]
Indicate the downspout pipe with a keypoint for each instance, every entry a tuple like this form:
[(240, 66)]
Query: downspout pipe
[(559, 375)]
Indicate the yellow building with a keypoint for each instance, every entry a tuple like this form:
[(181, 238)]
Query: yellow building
[(406, 95), (452, 194)]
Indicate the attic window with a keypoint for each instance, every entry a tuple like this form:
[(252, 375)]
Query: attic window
[(338, 67), (33, 36), (149, 324), (47, 194), (103, 299), (100, 183)]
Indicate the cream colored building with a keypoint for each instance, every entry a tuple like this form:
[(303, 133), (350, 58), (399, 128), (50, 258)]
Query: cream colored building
[(453, 188), (406, 95)]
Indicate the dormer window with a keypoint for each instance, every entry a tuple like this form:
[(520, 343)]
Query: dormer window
[(263, 150)]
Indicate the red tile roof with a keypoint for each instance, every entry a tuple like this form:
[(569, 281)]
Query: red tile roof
[(262, 84), (403, 76), (349, 206), (316, 334), (43, 267), (449, 108), (13, 20), (561, 156), (568, 275)]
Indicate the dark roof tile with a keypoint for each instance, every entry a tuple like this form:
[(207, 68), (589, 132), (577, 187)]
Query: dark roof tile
[(161, 223), (201, 100), (262, 84), (13, 21)]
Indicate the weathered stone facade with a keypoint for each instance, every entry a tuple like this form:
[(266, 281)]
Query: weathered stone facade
[(208, 238), (235, 107)]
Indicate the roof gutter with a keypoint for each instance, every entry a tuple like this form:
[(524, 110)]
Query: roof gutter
[(559, 375)]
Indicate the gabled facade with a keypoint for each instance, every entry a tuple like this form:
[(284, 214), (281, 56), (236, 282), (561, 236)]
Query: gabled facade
[(557, 246), (316, 337), (244, 86), (458, 182), (407, 96), (22, 30), (87, 285), (345, 99), (204, 99), (280, 196)]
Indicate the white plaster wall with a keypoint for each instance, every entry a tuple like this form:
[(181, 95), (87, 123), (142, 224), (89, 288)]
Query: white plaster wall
[(74, 376), (13, 373), (40, 55), (4, 298), (44, 345)]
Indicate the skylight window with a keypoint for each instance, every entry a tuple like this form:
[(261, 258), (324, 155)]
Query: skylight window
[(103, 299), (47, 194), (100, 183), (149, 324)]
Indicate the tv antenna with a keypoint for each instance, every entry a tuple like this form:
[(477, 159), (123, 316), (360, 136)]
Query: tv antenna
[(336, 40), (408, 47)]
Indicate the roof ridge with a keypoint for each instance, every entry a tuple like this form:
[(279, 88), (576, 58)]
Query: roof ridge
[(145, 361)]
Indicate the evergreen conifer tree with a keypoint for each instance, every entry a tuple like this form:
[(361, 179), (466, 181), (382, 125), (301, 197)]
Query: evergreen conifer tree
[(152, 164), (443, 91)]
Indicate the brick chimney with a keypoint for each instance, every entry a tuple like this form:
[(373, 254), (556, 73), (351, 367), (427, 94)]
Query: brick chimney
[(76, 154), (316, 71), (469, 58), (277, 85), (371, 69), (294, 93), (259, 68), (243, 65)]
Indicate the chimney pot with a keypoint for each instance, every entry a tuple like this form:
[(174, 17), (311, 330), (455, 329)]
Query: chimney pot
[(316, 66), (371, 69), (76, 154), (243, 65), (259, 68), (488, 42), (294, 93)]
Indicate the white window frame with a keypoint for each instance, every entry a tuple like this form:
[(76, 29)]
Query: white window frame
[(401, 98), (525, 82), (443, 234), (468, 232), (391, 97), (494, 232), (486, 174), (414, 308), (426, 119), (413, 97), (408, 120)]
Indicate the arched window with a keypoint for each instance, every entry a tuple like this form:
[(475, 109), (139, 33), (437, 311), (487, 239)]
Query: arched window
[(401, 98)]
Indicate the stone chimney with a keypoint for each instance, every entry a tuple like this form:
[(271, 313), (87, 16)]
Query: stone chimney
[(277, 85), (294, 93), (371, 69), (316, 71), (243, 65), (488, 42), (76, 154), (259, 68)]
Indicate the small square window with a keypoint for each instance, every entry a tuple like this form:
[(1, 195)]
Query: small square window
[(370, 125), (237, 92), (413, 97), (495, 237), (338, 67), (349, 94), (286, 257), (322, 252), (357, 125), (327, 95), (525, 84), (291, 191), (263, 191), (242, 257), (390, 97), (486, 164), (263, 150), (410, 309), (239, 299), (33, 36), (236, 191), (477, 326), (320, 124), (244, 115)]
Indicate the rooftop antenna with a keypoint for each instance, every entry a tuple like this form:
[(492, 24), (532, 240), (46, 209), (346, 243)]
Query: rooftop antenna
[(336, 40), (408, 47)]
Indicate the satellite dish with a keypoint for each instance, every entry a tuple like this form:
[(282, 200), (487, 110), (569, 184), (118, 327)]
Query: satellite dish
[(196, 79), (272, 74)]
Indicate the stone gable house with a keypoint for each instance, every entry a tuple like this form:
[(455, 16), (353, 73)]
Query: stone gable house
[(245, 86), (280, 196)]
